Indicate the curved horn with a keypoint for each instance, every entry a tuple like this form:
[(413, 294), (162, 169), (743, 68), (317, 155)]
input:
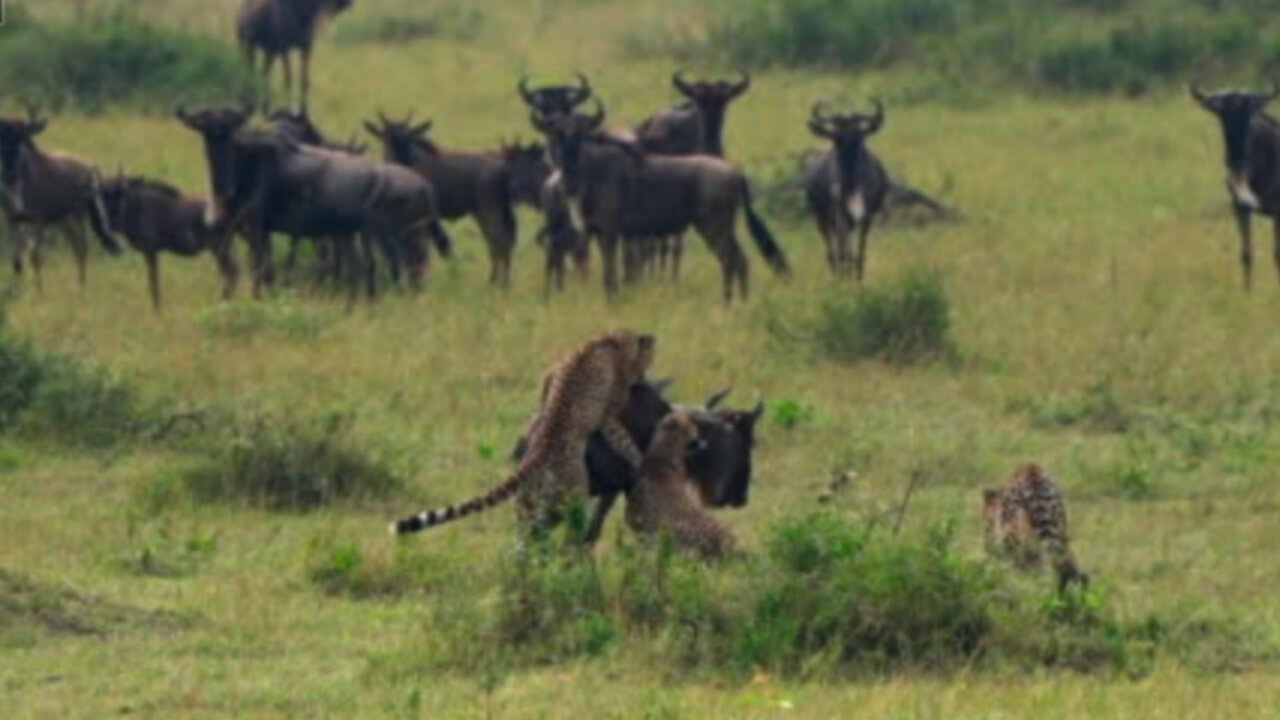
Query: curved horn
[(523, 88), (422, 128), (382, 118), (757, 412), (743, 84), (583, 91), (677, 79), (714, 401), (877, 120), (819, 112), (179, 110), (596, 119)]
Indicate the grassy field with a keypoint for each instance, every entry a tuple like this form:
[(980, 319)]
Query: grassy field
[(1096, 305)]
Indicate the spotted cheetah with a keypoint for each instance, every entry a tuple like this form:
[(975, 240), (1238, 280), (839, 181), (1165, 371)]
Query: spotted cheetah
[(1029, 516), (584, 394), (665, 501)]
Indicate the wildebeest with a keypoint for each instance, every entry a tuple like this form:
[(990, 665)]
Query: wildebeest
[(846, 186), (1252, 140), (264, 182), (697, 126), (720, 468), (614, 190), (551, 100), (466, 183), (156, 217), (279, 27), (42, 190)]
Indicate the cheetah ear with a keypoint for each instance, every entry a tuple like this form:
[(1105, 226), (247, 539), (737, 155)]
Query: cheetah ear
[(991, 495), (647, 342)]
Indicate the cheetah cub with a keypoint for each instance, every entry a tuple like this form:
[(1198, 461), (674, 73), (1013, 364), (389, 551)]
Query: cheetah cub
[(1028, 517), (664, 498)]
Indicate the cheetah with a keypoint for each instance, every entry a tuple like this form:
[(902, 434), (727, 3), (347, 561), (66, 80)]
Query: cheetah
[(1029, 516), (665, 500), (585, 393)]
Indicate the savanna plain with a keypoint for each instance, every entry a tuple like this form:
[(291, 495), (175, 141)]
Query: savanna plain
[(1096, 325)]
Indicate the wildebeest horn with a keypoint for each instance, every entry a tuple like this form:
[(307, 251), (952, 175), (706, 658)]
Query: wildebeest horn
[(757, 412), (1198, 95), (523, 88), (422, 128), (819, 112), (743, 84), (180, 110), (677, 79), (877, 120), (595, 120), (583, 93), (714, 401), (382, 118)]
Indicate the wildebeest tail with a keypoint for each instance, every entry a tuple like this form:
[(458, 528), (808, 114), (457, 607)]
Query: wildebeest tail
[(100, 221), (431, 518), (1047, 514), (764, 239)]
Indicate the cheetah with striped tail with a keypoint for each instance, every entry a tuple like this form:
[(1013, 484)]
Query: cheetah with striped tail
[(585, 393), (1027, 517), (664, 500)]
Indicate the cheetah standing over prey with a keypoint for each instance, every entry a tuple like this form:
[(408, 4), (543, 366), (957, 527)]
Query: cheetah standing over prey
[(1029, 515), (664, 498), (585, 393)]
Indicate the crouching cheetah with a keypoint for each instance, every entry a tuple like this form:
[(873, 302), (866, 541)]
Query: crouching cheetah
[(585, 393), (1027, 517), (665, 501)]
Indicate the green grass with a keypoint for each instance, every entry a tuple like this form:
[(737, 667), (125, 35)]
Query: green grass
[(1093, 280)]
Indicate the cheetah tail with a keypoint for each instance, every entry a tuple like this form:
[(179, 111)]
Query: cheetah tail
[(440, 516)]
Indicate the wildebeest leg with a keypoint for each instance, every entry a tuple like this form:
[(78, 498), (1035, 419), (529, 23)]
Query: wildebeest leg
[(499, 237), (229, 270), (37, 256), (1246, 244), (306, 77), (288, 76), (864, 230), (347, 250), (74, 233), (603, 506), (609, 255), (153, 280), (828, 240), (259, 248), (291, 260)]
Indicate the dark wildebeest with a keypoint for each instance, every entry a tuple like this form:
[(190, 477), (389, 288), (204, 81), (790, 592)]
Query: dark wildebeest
[(264, 182), (720, 467), (846, 186), (279, 27), (1252, 139), (697, 126), (614, 190), (553, 100), (155, 217), (531, 181), (47, 189), (466, 183)]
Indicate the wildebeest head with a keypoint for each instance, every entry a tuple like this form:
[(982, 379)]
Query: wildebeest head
[(15, 138), (723, 464), (555, 99), (848, 132), (527, 171), (1235, 110), (711, 96), (566, 136), (400, 138), (218, 128)]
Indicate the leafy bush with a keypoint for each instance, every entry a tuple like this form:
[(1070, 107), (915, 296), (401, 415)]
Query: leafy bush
[(117, 59), (289, 464), (903, 322)]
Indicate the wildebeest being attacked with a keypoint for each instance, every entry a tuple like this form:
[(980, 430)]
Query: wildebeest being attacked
[(155, 217), (466, 183), (277, 28), (42, 190), (846, 187), (720, 468), (1252, 140), (613, 190), (264, 182)]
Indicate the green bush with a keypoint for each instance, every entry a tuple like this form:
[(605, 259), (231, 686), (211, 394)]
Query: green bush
[(289, 464), (903, 322), (118, 59)]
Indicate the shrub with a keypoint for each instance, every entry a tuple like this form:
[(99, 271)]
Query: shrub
[(904, 322), (116, 60), (21, 372), (289, 464)]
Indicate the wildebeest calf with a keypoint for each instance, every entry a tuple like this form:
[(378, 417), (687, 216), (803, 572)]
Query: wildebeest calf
[(155, 217)]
